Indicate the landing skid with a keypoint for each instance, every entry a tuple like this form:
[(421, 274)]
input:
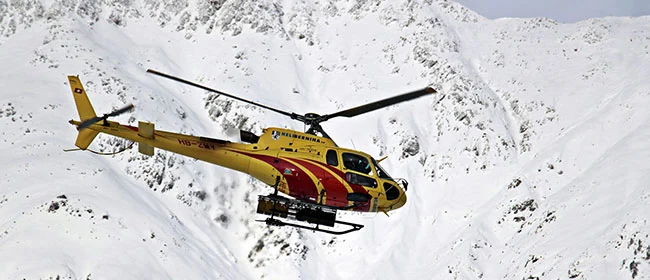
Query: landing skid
[(276, 222), (280, 208)]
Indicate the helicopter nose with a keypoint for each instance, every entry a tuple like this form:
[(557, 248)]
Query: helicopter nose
[(401, 200)]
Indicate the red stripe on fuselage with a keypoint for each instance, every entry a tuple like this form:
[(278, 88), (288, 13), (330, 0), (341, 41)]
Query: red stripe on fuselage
[(337, 193), (301, 186), (355, 188)]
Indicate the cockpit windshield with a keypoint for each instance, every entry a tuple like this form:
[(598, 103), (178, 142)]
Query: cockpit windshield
[(380, 171)]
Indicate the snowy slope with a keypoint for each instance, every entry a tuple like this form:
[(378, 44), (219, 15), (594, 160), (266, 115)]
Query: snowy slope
[(531, 162)]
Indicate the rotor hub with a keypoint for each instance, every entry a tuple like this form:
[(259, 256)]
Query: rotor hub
[(312, 118)]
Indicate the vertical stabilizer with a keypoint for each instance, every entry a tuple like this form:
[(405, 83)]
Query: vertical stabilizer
[(84, 107), (85, 110)]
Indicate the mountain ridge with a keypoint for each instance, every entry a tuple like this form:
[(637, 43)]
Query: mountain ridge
[(529, 163)]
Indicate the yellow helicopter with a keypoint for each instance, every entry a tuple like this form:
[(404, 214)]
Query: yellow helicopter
[(318, 176)]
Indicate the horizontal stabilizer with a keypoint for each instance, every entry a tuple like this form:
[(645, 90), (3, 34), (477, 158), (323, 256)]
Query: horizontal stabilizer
[(85, 137)]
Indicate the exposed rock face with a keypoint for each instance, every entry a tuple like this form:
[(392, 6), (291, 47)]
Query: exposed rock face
[(533, 145)]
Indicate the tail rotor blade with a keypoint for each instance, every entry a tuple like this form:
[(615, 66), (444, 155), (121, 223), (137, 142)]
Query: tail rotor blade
[(121, 111), (115, 113), (89, 122)]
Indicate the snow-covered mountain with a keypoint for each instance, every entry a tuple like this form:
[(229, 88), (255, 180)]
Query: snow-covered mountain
[(531, 162)]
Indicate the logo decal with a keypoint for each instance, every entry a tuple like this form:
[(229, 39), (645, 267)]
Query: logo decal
[(275, 135), (287, 171), (78, 90)]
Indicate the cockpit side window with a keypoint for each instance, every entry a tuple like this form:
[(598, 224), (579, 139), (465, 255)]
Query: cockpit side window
[(332, 158), (357, 163)]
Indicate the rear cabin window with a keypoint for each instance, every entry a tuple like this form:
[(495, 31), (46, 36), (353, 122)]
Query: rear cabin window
[(332, 158)]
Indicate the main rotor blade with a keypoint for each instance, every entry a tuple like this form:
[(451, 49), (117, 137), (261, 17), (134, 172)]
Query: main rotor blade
[(380, 104), (292, 115)]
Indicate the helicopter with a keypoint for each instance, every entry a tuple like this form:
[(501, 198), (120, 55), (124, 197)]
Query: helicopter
[(316, 176)]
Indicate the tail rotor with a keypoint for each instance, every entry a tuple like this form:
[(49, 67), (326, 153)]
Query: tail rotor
[(96, 119)]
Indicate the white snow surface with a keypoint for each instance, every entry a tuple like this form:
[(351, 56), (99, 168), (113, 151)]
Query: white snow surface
[(531, 162)]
